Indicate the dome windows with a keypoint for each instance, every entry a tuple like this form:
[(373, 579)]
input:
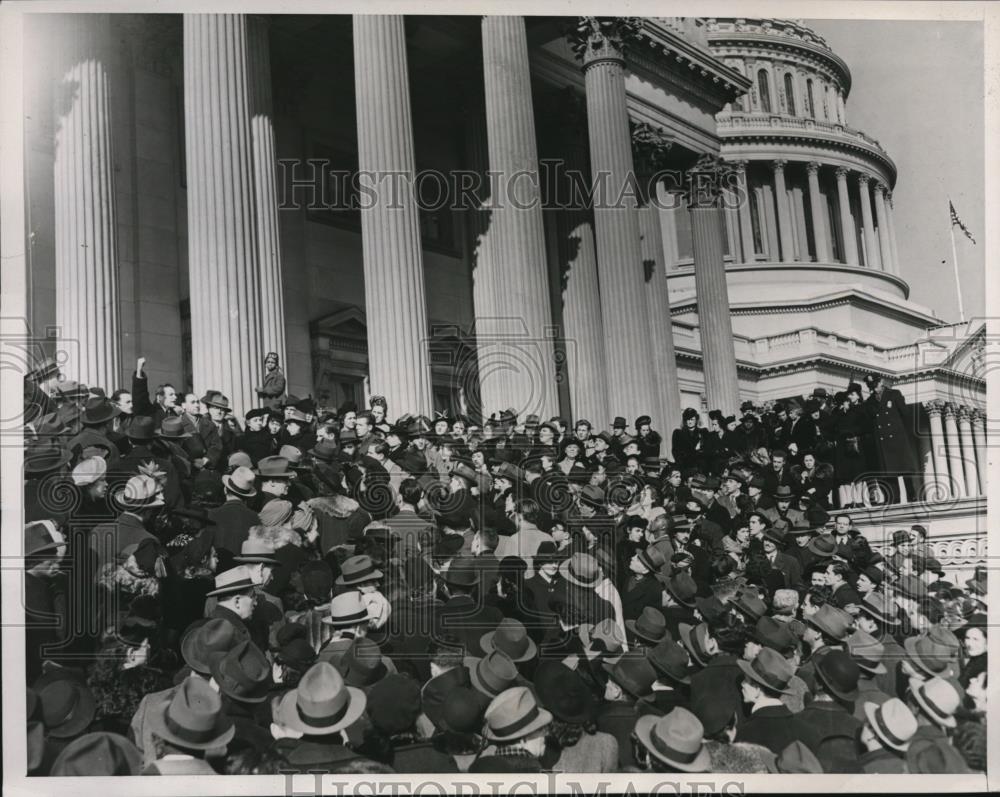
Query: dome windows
[(764, 91), (789, 93)]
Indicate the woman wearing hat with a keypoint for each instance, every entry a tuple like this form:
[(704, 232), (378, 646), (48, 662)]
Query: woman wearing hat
[(848, 426), (194, 561), (687, 442)]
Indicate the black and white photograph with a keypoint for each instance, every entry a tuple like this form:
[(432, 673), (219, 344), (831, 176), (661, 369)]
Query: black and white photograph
[(474, 398)]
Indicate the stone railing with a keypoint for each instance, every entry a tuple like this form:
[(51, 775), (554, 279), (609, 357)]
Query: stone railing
[(737, 121), (793, 29)]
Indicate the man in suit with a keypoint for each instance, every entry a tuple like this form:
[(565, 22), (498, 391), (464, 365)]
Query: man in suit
[(141, 498), (774, 544), (216, 433), (843, 593), (234, 519), (891, 424), (771, 723), (528, 538), (464, 614), (165, 405), (779, 474)]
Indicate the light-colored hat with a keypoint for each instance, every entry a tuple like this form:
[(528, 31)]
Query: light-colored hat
[(235, 580), (346, 610), (514, 714), (678, 739), (892, 722), (141, 492), (241, 482), (322, 703), (938, 698), (89, 471)]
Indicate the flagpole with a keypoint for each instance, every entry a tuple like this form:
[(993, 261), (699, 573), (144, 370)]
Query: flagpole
[(958, 281)]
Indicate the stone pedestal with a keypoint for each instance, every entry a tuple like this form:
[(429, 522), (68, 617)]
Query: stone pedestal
[(399, 364)]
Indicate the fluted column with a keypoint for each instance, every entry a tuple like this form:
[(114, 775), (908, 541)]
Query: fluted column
[(954, 445), (979, 438), (926, 455), (272, 311), (816, 214), (939, 450), (579, 293), (399, 365), (222, 236), (524, 317), (714, 321), (628, 355), (890, 215), (846, 219), (784, 212), (968, 451), (746, 220), (871, 244), (86, 232), (885, 246)]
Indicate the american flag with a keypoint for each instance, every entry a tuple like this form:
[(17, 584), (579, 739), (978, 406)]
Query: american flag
[(956, 220)]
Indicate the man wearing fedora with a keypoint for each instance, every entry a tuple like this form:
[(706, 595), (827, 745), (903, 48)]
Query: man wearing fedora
[(148, 457), (188, 728), (892, 423), (774, 544), (45, 548), (234, 519), (141, 499), (831, 713), (515, 727), (216, 433), (888, 728), (464, 613), (97, 419), (236, 598), (672, 743), (770, 723)]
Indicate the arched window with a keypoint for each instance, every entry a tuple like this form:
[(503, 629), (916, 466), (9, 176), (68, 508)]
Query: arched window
[(764, 90), (811, 110), (789, 93)]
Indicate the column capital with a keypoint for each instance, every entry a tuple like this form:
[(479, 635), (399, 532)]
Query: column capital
[(964, 414), (740, 165), (779, 164), (879, 187), (978, 417), (842, 172), (863, 178), (596, 39), (706, 181), (813, 167), (934, 407), (950, 410), (650, 146)]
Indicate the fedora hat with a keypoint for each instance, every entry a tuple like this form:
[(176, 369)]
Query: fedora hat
[(581, 569), (670, 659), (750, 606), (938, 698), (774, 634), (208, 640), (892, 722), (867, 652), (936, 756), (236, 579), (776, 534), (324, 451), (710, 608), (67, 705), (929, 656), (783, 493), (292, 453), (346, 610), (769, 669), (564, 693), (42, 458), (911, 587), (677, 739), (322, 703), (797, 759), (213, 398), (274, 468), (879, 607), (824, 545), (243, 673), (652, 558), (41, 536), (192, 717), (606, 636), (358, 570), (683, 588), (100, 754), (832, 621), (97, 411), (362, 665), (462, 572), (839, 673), (632, 672), (695, 639), (510, 638), (240, 482), (650, 626), (141, 428), (141, 492), (514, 714), (172, 429), (256, 551), (348, 437), (593, 496), (493, 673)]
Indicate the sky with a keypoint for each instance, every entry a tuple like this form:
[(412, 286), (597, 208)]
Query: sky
[(917, 87)]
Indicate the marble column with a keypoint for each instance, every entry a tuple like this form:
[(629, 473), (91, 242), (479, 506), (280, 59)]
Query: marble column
[(979, 438), (954, 445), (714, 321), (732, 220), (968, 451), (868, 224), (746, 219), (939, 451), (926, 455), (846, 220), (784, 212), (272, 312), (890, 215), (222, 236), (816, 214), (885, 247), (86, 231), (628, 356), (398, 358), (577, 288), (524, 328)]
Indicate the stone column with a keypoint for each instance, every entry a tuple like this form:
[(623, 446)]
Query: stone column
[(939, 452), (784, 212), (523, 313), (846, 220), (968, 451), (650, 146), (926, 454), (628, 356), (272, 311), (816, 214), (222, 235), (714, 321), (86, 231), (577, 288), (954, 446), (730, 203), (891, 217), (885, 246), (746, 219), (979, 437), (399, 364), (871, 244)]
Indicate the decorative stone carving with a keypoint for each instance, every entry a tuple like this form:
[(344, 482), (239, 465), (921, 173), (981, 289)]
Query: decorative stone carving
[(934, 407), (599, 38)]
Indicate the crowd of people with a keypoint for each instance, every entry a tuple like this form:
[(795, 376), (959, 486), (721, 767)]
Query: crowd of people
[(323, 590)]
